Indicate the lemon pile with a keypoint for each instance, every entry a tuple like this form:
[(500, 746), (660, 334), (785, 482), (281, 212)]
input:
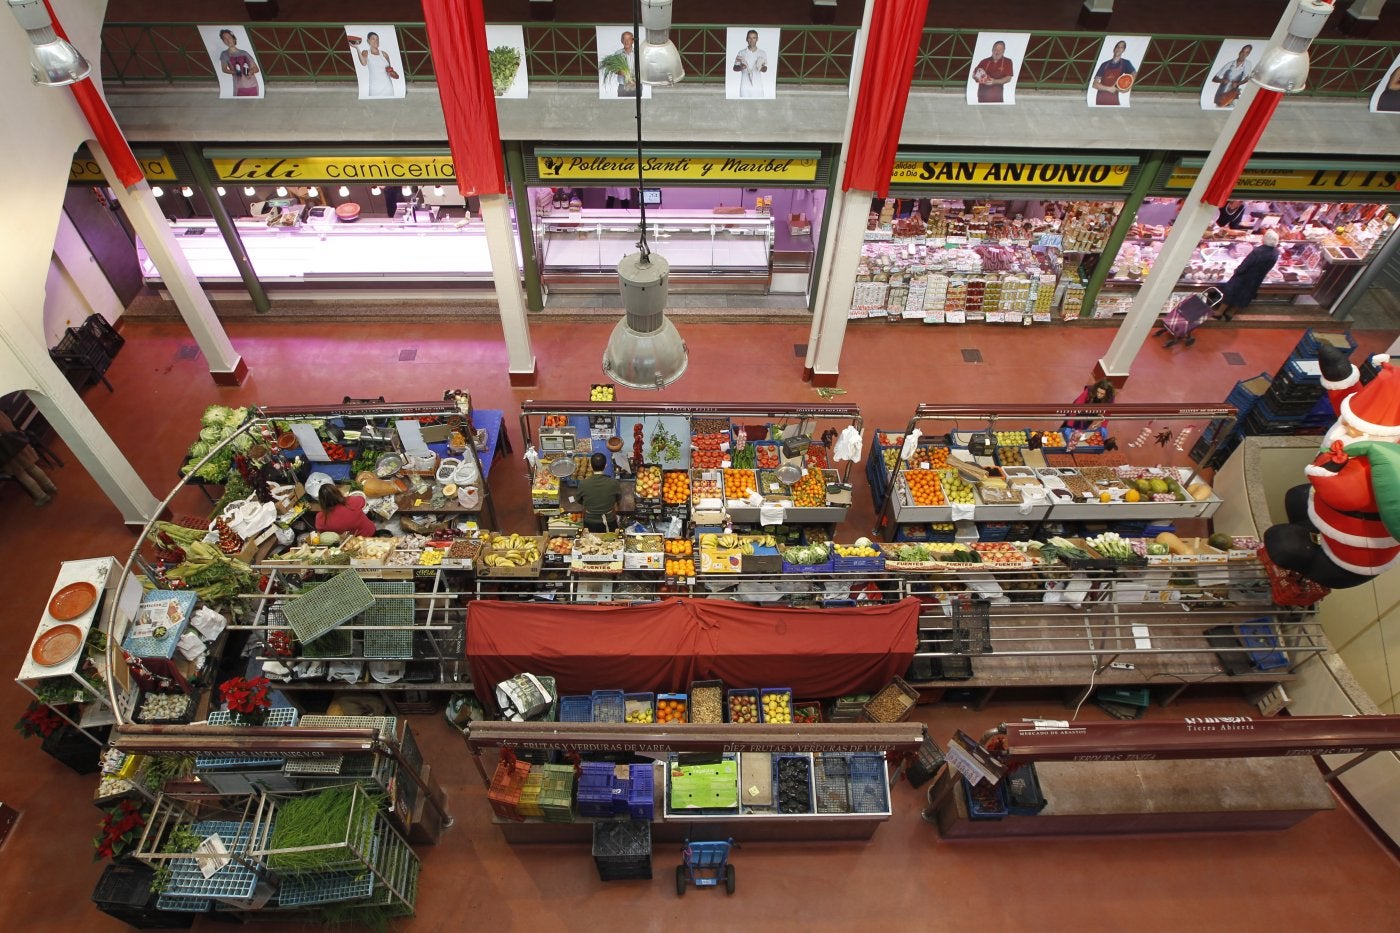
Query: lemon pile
[(777, 707)]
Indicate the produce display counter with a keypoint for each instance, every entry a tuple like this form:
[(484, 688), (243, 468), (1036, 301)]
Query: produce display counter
[(1116, 797), (361, 252), (1028, 465)]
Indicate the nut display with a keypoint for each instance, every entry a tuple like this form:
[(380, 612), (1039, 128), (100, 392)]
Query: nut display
[(707, 705), (889, 705)]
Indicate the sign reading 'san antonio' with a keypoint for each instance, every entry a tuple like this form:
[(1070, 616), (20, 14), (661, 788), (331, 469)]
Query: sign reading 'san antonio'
[(983, 174), (566, 166)]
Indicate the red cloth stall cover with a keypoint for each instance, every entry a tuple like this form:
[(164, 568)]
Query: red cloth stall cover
[(457, 39), (664, 646), (896, 28)]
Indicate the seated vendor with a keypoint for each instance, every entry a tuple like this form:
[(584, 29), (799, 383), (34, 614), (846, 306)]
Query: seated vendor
[(599, 495), (342, 514)]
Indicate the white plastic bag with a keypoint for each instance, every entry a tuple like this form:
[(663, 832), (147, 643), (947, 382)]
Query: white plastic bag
[(911, 444), (521, 697), (848, 444), (207, 623)]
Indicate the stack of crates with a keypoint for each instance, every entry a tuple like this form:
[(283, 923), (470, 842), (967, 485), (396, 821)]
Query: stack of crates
[(506, 786), (529, 805), (641, 793), (847, 708), (556, 793), (622, 850), (1295, 401), (599, 790)]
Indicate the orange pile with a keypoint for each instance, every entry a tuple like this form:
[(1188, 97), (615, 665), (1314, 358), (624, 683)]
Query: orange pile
[(739, 483), (925, 488), (679, 547), (675, 487), (810, 491), (670, 711), (930, 458), (680, 568)]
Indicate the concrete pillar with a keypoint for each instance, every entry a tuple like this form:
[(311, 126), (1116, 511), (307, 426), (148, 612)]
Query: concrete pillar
[(26, 366), (225, 365), (500, 243), (841, 282), (1095, 14), (1361, 17), (831, 259)]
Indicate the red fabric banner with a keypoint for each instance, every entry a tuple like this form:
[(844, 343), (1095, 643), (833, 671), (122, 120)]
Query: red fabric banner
[(104, 126), (896, 26), (457, 39), (662, 647), (1232, 163)]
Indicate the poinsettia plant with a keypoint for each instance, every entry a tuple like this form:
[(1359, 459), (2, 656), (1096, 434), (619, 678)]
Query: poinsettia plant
[(39, 720), (119, 830), (245, 695)]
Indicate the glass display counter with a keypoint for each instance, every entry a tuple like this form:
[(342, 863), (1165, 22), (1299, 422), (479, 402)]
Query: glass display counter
[(580, 250)]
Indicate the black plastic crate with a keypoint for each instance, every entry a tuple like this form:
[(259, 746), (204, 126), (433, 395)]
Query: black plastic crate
[(972, 631), (956, 667), (622, 849), (124, 892), (1023, 796), (1223, 637), (74, 749), (97, 328), (925, 764)]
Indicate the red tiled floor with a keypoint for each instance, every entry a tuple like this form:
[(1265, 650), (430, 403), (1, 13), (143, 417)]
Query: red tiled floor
[(1325, 874)]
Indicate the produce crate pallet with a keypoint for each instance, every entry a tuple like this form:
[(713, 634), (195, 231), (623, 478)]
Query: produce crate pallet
[(640, 703), (893, 703), (333, 603), (641, 789), (506, 784), (701, 687), (789, 770), (396, 644)]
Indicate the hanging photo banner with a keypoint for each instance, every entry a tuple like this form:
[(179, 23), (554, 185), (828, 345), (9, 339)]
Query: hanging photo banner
[(984, 174), (436, 168), (374, 50), (1386, 97), (234, 62), (616, 58), (752, 73), (1233, 65), (1119, 60), (996, 63), (505, 47), (564, 166)]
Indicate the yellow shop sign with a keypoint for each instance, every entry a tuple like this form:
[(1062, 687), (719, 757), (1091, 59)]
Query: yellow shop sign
[(336, 168), (1299, 179), (676, 168), (155, 168), (993, 174)]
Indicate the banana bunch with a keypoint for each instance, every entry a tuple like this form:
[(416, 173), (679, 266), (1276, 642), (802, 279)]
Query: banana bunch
[(511, 551), (724, 542)]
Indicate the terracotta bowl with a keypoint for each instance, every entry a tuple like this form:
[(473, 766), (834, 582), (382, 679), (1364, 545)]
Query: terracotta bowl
[(348, 213)]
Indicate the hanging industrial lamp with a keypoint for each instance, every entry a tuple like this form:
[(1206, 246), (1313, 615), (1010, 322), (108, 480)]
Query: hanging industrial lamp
[(54, 61), (645, 350)]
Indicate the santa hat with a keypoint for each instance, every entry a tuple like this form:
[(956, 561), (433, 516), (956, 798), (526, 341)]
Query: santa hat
[(1374, 409)]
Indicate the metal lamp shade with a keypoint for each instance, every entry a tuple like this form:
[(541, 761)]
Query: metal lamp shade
[(645, 350), (661, 60)]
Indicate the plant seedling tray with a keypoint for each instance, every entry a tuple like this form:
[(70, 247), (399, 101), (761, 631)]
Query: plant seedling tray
[(396, 644)]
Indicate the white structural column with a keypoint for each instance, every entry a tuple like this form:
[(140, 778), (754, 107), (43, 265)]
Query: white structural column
[(841, 279), (25, 366), (838, 254), (1188, 228), (225, 365), (501, 245)]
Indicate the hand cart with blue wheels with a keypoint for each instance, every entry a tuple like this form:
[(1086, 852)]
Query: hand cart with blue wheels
[(703, 864), (1189, 314)]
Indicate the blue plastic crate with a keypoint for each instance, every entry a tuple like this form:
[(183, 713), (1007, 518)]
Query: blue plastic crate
[(1311, 342), (1243, 396), (1295, 372), (1087, 445), (1023, 796), (975, 809), (993, 531), (576, 709), (641, 790), (1260, 635), (857, 564), (865, 775), (609, 706)]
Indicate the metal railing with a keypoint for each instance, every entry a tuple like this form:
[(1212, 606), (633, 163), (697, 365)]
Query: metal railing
[(138, 53)]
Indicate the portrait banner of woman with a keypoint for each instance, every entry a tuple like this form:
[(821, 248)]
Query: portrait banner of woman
[(996, 65), (1386, 97), (1118, 64), (236, 66), (1233, 65), (751, 72), (617, 50), (374, 50)]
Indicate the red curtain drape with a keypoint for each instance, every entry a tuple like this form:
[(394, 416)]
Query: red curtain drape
[(662, 647), (457, 39), (1231, 167), (896, 26), (104, 126)]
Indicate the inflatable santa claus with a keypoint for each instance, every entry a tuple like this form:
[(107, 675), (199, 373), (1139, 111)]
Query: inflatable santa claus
[(1351, 502)]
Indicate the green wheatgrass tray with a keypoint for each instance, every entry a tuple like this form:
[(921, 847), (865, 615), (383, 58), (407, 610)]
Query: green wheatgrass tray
[(333, 603)]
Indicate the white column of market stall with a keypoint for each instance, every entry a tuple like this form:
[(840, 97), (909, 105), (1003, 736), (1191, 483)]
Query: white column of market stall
[(225, 365), (1188, 228), (501, 245), (838, 253), (27, 367)]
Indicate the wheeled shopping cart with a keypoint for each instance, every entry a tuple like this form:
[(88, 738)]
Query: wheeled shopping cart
[(1189, 313), (704, 864)]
